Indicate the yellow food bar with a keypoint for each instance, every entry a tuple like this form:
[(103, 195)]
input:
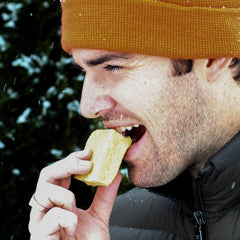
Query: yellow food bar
[(108, 149)]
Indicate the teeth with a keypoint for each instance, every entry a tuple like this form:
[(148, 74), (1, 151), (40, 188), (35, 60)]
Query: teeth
[(123, 129), (129, 128)]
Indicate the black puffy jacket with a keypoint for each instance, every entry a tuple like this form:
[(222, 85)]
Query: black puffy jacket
[(166, 212)]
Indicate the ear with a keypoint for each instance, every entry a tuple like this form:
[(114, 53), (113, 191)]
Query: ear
[(216, 68)]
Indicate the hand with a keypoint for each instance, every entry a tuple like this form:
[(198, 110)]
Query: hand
[(54, 215)]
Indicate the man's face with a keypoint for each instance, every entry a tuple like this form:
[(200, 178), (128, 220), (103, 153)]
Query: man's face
[(164, 113)]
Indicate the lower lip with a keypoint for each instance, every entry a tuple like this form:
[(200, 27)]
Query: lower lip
[(133, 151)]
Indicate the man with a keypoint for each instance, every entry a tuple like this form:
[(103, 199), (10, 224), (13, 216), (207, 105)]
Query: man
[(168, 71)]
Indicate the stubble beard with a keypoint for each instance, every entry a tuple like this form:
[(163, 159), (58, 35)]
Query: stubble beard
[(162, 170), (157, 171), (188, 142)]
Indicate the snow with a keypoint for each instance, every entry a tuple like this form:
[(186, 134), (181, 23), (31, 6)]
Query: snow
[(23, 117)]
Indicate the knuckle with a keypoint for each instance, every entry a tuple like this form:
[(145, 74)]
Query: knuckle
[(34, 232), (72, 159), (63, 217), (30, 227), (72, 198), (72, 165), (69, 162), (57, 215), (71, 155), (44, 173), (53, 211), (64, 199)]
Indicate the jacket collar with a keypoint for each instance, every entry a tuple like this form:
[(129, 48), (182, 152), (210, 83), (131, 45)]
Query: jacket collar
[(219, 181)]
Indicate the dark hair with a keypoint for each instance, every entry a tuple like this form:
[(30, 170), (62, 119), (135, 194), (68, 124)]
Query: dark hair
[(235, 66), (181, 67)]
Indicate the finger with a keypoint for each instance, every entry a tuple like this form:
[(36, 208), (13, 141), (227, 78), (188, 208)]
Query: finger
[(50, 195), (35, 218), (104, 199), (53, 221), (75, 163), (35, 204)]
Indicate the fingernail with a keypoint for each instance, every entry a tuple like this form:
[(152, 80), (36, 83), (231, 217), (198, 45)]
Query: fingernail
[(83, 154)]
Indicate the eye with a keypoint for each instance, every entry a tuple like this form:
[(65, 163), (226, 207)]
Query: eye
[(113, 68)]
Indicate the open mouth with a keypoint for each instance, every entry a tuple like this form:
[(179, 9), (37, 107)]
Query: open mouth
[(135, 132)]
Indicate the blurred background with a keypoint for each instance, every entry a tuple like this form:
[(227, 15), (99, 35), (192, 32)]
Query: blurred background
[(40, 119)]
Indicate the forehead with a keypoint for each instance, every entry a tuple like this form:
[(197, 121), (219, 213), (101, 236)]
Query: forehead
[(84, 55)]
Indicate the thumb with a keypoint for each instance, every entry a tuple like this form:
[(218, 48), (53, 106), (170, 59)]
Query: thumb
[(104, 199)]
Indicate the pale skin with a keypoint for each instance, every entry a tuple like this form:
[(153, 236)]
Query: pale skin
[(185, 117)]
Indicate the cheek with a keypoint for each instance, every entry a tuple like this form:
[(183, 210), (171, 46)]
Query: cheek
[(146, 95), (139, 88), (140, 101), (130, 93)]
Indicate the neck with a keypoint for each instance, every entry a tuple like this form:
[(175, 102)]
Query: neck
[(208, 152)]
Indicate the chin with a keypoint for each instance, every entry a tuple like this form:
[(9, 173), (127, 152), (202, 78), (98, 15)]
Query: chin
[(142, 179), (146, 178)]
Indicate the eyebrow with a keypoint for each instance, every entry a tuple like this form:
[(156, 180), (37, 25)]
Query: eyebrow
[(106, 58), (102, 59)]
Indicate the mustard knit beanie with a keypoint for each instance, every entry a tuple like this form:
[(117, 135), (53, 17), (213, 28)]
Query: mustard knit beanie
[(186, 29)]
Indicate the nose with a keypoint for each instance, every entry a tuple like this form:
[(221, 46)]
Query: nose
[(95, 99)]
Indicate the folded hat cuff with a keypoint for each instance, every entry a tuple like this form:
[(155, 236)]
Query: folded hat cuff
[(151, 28)]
